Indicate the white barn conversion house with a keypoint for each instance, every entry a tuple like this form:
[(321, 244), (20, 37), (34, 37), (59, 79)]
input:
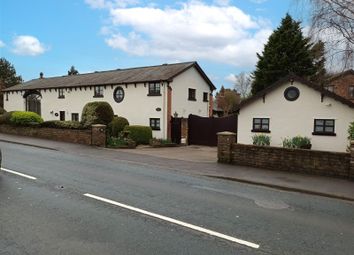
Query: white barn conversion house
[(294, 106), (145, 95)]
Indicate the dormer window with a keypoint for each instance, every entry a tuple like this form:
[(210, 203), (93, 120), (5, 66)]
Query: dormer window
[(154, 89), (98, 91), (61, 93)]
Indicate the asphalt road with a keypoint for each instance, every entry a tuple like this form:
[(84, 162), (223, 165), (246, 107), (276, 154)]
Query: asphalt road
[(51, 214)]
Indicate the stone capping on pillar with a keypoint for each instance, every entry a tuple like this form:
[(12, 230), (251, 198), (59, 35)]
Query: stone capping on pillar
[(98, 135), (225, 141), (351, 164)]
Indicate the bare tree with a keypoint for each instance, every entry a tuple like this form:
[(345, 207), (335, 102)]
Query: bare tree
[(332, 21), (243, 84)]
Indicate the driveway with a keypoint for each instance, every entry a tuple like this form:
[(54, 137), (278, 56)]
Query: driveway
[(192, 153)]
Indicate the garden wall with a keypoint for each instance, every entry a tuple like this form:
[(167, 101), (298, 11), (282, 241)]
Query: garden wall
[(94, 136), (293, 160)]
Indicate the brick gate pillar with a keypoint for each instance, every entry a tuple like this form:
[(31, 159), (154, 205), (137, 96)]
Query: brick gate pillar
[(225, 142), (98, 135)]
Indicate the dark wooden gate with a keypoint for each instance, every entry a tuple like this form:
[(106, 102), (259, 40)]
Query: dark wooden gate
[(176, 132), (202, 130)]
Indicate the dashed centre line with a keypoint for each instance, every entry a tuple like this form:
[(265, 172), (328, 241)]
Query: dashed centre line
[(18, 173), (177, 222)]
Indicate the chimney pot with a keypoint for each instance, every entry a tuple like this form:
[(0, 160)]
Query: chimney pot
[(41, 75)]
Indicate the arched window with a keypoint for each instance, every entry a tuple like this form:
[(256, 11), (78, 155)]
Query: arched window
[(33, 101)]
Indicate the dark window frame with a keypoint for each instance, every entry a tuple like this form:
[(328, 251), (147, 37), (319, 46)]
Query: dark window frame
[(324, 126), (155, 123), (98, 91), (72, 116), (122, 95), (61, 93), (205, 96), (154, 89), (263, 122), (192, 94), (351, 91)]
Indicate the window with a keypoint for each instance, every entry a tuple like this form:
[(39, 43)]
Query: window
[(118, 94), (155, 123), (291, 93), (324, 127), (260, 125), (75, 117), (98, 91), (351, 91), (154, 89), (191, 95), (7, 96), (205, 97), (61, 93)]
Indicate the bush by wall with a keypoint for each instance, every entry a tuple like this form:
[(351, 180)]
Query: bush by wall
[(351, 131), (140, 134), (97, 113), (117, 125), (262, 140), (25, 118), (63, 124), (297, 142)]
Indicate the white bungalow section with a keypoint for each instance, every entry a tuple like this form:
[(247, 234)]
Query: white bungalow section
[(147, 96), (292, 107)]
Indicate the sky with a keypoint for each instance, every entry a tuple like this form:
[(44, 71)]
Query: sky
[(223, 36)]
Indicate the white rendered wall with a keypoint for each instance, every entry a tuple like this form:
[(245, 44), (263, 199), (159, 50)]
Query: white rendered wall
[(180, 103), (288, 119), (15, 101)]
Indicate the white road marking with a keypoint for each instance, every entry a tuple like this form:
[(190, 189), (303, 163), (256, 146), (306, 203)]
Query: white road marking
[(177, 222), (20, 174)]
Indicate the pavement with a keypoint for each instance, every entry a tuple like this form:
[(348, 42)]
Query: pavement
[(201, 160)]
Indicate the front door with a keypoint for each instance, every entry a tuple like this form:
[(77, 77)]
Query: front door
[(62, 115)]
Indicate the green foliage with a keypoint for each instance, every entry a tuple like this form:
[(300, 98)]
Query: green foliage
[(155, 142), (140, 134), (97, 113), (297, 142), (261, 140), (5, 118), (73, 71), (121, 142), (62, 124), (25, 118), (351, 131), (2, 110), (8, 74), (287, 51), (117, 125)]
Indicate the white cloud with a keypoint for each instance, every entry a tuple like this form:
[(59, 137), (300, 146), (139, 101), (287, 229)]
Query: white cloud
[(2, 44), (231, 78), (28, 46), (106, 4), (192, 31)]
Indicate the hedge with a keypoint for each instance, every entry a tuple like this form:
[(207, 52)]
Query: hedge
[(117, 125), (140, 134), (25, 118), (63, 124), (97, 113)]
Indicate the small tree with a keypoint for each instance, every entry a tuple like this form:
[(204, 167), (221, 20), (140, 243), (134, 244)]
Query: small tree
[(243, 84), (227, 100), (73, 71), (8, 74)]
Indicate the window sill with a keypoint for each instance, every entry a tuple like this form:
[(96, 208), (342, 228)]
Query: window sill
[(192, 99), (98, 96), (156, 129), (153, 95), (206, 101), (324, 133), (260, 131), (61, 97)]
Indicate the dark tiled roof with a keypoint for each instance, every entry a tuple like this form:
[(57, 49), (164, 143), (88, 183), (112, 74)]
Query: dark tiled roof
[(165, 72), (339, 75), (288, 78)]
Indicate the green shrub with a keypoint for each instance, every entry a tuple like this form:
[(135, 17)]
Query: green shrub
[(155, 142), (120, 142), (2, 110), (351, 131), (140, 134), (25, 118), (63, 124), (297, 142), (5, 118), (97, 113), (117, 125), (261, 140)]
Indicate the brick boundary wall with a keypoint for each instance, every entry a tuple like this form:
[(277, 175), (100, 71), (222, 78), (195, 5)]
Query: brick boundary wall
[(324, 163), (96, 136)]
